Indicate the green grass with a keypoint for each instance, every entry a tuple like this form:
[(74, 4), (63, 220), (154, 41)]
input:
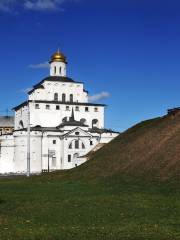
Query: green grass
[(92, 202), (113, 209)]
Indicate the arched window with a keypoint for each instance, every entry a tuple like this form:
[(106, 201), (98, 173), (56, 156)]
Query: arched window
[(60, 70), (76, 155), (64, 119), (71, 97), (56, 97), (83, 120), (95, 123), (54, 70), (63, 97), (76, 144), (21, 124)]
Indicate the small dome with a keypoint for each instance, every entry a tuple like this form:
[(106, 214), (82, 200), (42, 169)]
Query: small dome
[(58, 57)]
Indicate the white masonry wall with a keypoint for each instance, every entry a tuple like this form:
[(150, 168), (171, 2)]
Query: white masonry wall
[(52, 117), (55, 161), (20, 152), (107, 137), (21, 116), (6, 154), (67, 88), (84, 137), (57, 69)]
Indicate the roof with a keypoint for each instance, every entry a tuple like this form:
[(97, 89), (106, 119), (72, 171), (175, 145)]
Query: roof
[(52, 79), (59, 102), (6, 121), (72, 123), (77, 129), (103, 130), (39, 128)]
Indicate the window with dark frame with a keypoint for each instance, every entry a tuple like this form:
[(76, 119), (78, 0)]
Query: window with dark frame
[(94, 123), (54, 141), (56, 97), (67, 108), (77, 108), (69, 158), (64, 119), (57, 107), (86, 109), (36, 106), (71, 97), (47, 107), (76, 144), (63, 97)]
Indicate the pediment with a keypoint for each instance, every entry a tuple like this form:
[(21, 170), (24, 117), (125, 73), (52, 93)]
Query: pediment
[(73, 133)]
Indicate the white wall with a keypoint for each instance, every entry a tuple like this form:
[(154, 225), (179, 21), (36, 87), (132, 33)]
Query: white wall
[(20, 151), (52, 87), (60, 69), (53, 117), (21, 115), (83, 138), (6, 154), (48, 146), (13, 151), (107, 137)]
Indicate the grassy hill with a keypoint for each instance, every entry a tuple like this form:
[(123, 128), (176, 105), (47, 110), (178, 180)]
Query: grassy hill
[(151, 150), (105, 198)]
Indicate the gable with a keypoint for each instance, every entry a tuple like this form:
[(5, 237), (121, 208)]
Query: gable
[(73, 133)]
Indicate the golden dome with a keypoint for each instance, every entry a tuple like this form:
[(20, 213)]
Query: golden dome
[(58, 57)]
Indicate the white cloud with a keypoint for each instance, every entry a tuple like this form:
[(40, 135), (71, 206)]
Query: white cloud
[(36, 5), (26, 90), (99, 96), (42, 5), (7, 5), (39, 65)]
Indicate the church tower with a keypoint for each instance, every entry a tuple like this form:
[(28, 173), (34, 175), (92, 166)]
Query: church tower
[(58, 65)]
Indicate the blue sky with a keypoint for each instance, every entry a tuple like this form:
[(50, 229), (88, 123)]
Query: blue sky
[(128, 49)]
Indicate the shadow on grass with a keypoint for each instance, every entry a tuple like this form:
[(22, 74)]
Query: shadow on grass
[(2, 201)]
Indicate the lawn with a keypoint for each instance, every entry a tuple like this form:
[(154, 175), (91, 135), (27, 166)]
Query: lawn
[(44, 208)]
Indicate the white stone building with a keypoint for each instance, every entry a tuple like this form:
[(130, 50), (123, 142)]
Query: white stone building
[(64, 126)]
